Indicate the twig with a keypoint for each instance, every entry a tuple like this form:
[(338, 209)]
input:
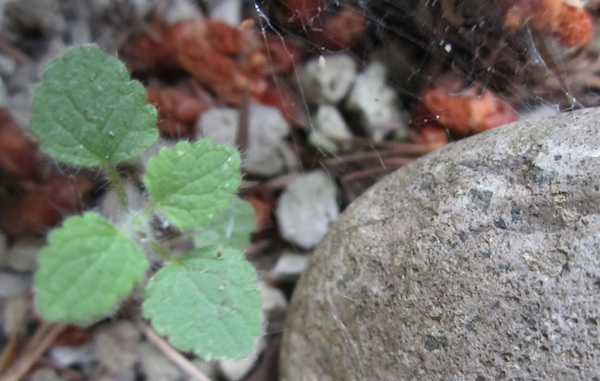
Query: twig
[(280, 182), (400, 148), (16, 341), (37, 345), (11, 351), (346, 180), (241, 138), (14, 52), (173, 355), (255, 248)]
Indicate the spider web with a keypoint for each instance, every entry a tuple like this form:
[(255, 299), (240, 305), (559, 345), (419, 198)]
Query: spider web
[(418, 56), (434, 58), (384, 19)]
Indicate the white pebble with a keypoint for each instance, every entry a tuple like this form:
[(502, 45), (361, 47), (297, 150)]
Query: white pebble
[(306, 208), (328, 78)]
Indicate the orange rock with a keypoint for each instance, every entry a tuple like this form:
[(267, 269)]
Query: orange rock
[(565, 20), (177, 111), (468, 112)]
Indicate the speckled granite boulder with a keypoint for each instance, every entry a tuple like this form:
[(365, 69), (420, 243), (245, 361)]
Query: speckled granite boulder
[(478, 262)]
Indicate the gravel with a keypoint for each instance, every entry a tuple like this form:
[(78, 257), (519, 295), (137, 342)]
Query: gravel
[(330, 131), (12, 285), (155, 366), (327, 79), (115, 344), (289, 266), (22, 254), (267, 153), (306, 208), (375, 103)]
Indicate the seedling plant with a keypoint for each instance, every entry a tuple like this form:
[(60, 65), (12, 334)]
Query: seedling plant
[(87, 112)]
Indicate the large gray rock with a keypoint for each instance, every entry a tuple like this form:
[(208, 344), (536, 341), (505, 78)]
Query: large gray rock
[(478, 262)]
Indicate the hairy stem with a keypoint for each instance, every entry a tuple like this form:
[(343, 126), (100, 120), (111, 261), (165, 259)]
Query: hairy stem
[(161, 251), (116, 183)]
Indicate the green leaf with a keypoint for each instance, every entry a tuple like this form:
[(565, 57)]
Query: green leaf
[(231, 227), (191, 182), (206, 302), (88, 267), (87, 111)]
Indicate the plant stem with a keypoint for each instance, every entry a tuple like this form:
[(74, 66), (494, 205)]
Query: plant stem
[(117, 184), (161, 251)]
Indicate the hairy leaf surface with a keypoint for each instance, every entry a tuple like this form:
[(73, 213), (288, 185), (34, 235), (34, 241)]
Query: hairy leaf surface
[(231, 227), (88, 112), (206, 302), (191, 182), (86, 269)]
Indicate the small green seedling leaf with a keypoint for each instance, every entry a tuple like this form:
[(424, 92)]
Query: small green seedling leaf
[(87, 111), (231, 227), (206, 302), (88, 267), (191, 182)]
